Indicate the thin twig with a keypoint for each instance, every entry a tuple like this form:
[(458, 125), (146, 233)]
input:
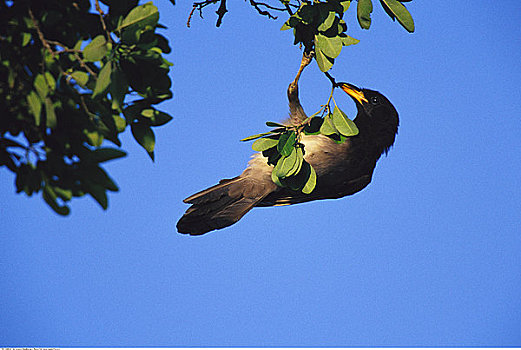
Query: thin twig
[(47, 44), (252, 2), (190, 16), (257, 5), (102, 20), (65, 48), (40, 34), (332, 80), (288, 8), (199, 6)]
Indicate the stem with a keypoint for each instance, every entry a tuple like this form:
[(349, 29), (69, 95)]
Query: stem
[(47, 45), (102, 20), (330, 98), (40, 34), (331, 79)]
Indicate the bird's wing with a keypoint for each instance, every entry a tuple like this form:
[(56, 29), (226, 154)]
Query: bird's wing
[(342, 169), (285, 196)]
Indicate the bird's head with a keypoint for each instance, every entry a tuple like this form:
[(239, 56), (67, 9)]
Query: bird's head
[(376, 115)]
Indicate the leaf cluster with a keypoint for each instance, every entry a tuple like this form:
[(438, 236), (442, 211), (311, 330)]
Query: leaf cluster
[(319, 25), (73, 78), (283, 149)]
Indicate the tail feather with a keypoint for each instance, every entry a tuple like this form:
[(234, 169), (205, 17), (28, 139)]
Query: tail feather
[(222, 205), (210, 194)]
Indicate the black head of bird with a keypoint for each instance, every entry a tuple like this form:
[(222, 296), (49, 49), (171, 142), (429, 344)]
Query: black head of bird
[(376, 115), (342, 169)]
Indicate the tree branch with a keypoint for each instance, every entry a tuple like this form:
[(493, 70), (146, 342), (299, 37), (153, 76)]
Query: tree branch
[(102, 20), (221, 12), (200, 6), (44, 42), (331, 79), (257, 6), (261, 7), (47, 44)]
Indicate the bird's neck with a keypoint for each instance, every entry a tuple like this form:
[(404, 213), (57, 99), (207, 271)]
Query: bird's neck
[(380, 137)]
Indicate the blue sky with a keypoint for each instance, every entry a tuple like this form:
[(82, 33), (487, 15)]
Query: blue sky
[(428, 254)]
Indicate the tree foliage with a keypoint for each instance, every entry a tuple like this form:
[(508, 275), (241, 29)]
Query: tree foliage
[(73, 76)]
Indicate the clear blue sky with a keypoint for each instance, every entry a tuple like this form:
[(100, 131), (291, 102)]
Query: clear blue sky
[(428, 254)]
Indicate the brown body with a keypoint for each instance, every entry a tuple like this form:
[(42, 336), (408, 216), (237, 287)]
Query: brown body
[(342, 169)]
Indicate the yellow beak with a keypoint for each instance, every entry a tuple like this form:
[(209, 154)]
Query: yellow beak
[(354, 92)]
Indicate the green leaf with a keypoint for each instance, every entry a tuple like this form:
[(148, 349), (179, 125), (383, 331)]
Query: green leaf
[(311, 181), (313, 126), (50, 114), (347, 40), (99, 194), (103, 81), (78, 44), (396, 9), (141, 16), (324, 63), (26, 38), (287, 165), (331, 47), (342, 27), (253, 137), (41, 87), (275, 179), (50, 198), (263, 144), (99, 177), (94, 138), (272, 154), (328, 22), (345, 5), (275, 125), (306, 13), (65, 194), (35, 106), (144, 136), (96, 49), (300, 160), (101, 155), (81, 78), (327, 127), (138, 26), (364, 9), (343, 124), (286, 143), (160, 118), (147, 113), (50, 81), (118, 88), (120, 123), (285, 26)]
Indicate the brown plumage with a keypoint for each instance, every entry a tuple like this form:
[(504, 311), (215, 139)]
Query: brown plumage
[(342, 169)]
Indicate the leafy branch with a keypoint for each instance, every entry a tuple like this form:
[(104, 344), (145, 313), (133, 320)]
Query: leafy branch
[(262, 8), (63, 100)]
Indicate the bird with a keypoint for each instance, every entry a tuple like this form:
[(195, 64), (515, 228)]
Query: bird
[(342, 169)]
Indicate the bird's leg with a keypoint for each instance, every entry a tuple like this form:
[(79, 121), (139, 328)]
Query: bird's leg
[(297, 113)]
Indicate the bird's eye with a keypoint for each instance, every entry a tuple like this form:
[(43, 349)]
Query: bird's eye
[(374, 100)]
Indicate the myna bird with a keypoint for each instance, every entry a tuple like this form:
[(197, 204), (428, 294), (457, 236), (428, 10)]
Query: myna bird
[(342, 169)]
